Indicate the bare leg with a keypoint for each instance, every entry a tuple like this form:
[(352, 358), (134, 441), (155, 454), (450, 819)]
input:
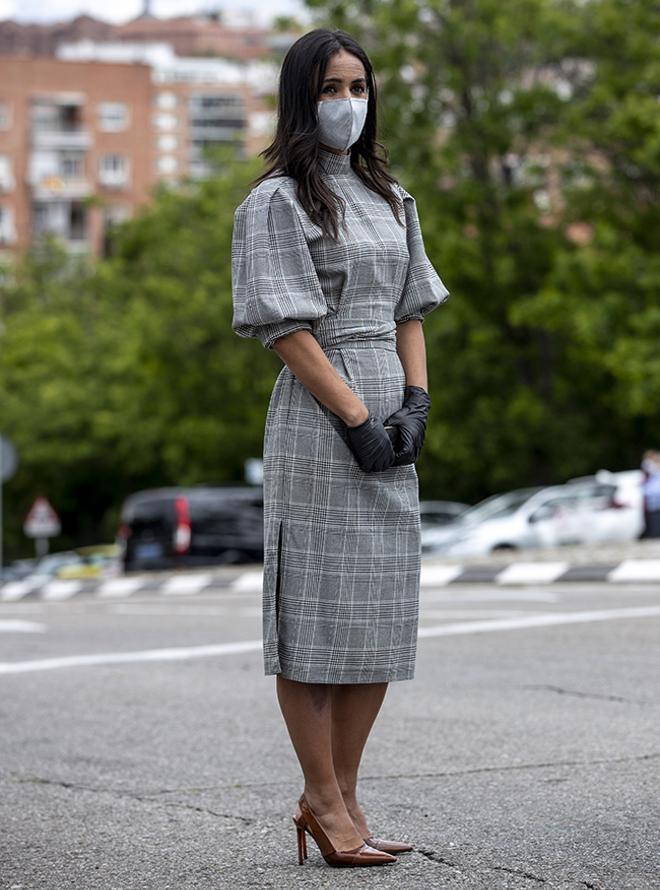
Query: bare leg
[(307, 712), (355, 707)]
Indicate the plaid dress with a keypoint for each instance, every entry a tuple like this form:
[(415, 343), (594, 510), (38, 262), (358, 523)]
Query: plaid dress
[(341, 547)]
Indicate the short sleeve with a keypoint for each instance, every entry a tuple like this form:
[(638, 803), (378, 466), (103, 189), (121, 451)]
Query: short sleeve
[(423, 289), (275, 288)]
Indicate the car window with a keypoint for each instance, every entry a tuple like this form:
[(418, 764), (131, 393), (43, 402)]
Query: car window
[(554, 506), (497, 506)]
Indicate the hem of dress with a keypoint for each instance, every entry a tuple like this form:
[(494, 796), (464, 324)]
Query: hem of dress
[(375, 677)]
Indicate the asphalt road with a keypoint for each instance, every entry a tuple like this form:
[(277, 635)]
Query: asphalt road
[(142, 746)]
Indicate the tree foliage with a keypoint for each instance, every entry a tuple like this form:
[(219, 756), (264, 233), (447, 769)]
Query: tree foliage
[(528, 133), (518, 126)]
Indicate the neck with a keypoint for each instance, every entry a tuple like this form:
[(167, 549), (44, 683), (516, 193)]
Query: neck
[(334, 151)]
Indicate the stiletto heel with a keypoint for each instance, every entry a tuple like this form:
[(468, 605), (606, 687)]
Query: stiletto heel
[(302, 842), (362, 855)]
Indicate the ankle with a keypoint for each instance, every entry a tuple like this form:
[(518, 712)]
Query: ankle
[(348, 793), (322, 797)]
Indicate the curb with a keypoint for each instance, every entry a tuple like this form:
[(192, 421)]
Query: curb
[(627, 571)]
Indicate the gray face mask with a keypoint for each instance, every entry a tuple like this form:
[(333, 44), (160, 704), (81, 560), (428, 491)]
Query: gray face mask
[(341, 121)]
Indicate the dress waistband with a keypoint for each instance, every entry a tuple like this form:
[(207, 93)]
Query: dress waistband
[(361, 343)]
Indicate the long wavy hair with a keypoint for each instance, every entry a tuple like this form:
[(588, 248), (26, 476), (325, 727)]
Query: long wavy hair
[(295, 149)]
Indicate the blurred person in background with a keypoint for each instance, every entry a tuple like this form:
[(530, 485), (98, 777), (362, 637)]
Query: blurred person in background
[(342, 305), (651, 488)]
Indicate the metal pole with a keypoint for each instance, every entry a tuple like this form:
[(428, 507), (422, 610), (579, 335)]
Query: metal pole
[(2, 571)]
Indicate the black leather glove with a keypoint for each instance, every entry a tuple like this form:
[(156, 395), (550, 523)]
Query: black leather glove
[(371, 445), (408, 425)]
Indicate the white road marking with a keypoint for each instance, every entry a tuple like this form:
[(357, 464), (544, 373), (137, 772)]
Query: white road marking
[(60, 590), (493, 595), (248, 581), (17, 625), (636, 570), (172, 654), (14, 590), (544, 620), (119, 587), (146, 609), (531, 573), (186, 584), (467, 613), (438, 576), (463, 627)]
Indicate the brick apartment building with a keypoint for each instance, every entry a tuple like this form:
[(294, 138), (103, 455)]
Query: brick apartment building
[(70, 131), (206, 35), (83, 142)]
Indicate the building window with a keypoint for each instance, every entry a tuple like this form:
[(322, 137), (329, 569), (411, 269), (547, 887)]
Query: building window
[(64, 219), (7, 230), (165, 121), (113, 170), (49, 115), (167, 142), (113, 116), (72, 166), (166, 101), (4, 116), (6, 175), (166, 164)]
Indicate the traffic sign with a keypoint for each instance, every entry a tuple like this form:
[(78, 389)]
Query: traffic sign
[(42, 521)]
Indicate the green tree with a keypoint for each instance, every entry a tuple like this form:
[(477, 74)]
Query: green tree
[(475, 99), (127, 374)]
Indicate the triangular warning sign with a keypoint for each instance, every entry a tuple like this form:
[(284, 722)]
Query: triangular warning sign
[(42, 521)]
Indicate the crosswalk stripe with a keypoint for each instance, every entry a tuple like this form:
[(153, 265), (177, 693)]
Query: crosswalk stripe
[(186, 584), (438, 576), (248, 581), (60, 590), (120, 587), (16, 590), (531, 573), (636, 570)]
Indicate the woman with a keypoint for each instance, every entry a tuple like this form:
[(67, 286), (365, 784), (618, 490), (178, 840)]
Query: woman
[(329, 270)]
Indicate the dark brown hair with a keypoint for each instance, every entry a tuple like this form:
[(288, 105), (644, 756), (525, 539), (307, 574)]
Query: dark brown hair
[(295, 149)]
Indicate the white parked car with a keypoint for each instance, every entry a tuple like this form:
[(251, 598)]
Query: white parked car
[(588, 510), (611, 505), (477, 530)]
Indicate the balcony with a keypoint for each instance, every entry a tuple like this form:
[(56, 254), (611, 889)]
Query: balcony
[(59, 188), (114, 179), (65, 220), (54, 138)]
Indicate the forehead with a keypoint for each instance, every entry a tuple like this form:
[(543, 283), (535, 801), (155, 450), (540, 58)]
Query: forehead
[(345, 65)]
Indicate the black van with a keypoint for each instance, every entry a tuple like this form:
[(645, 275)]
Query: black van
[(166, 528)]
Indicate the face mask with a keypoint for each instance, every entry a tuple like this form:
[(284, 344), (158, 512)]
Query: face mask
[(341, 121)]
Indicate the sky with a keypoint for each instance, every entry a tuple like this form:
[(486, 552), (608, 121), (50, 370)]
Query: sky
[(122, 10)]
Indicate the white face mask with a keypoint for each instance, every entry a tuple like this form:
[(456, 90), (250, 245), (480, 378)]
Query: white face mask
[(341, 121)]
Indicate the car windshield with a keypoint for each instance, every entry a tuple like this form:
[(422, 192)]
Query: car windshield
[(497, 506)]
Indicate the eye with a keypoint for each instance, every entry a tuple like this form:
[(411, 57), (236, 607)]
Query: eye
[(327, 89), (359, 88)]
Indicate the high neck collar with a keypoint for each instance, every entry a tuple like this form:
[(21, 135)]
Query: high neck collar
[(335, 164)]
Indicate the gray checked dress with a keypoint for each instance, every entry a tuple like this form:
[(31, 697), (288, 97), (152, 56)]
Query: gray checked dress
[(341, 547)]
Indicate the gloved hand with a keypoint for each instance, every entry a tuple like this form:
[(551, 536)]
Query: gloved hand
[(371, 445), (409, 425)]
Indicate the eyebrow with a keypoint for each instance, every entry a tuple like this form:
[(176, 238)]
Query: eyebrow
[(339, 80)]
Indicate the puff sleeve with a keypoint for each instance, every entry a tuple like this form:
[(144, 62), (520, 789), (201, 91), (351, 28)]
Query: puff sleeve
[(423, 289), (275, 288)]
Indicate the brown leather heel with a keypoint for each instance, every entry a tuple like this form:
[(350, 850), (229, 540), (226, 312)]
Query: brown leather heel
[(362, 855), (388, 846)]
